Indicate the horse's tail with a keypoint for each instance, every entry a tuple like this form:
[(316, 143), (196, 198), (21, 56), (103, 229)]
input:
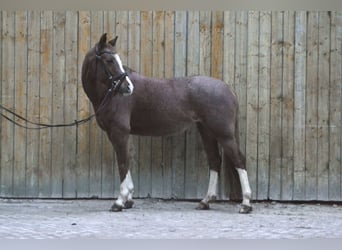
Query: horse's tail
[(237, 136), (237, 133), (236, 128)]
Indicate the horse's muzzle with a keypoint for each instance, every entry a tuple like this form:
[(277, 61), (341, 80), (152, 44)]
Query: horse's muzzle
[(128, 89)]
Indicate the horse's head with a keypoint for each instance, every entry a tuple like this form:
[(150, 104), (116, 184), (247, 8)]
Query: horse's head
[(109, 67)]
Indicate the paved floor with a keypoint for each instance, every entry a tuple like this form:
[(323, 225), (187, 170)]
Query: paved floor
[(150, 219)]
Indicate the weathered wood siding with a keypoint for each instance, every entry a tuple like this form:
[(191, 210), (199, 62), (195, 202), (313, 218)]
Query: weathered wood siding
[(284, 66)]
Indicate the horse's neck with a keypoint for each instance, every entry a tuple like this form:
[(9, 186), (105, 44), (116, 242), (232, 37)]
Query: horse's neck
[(136, 77)]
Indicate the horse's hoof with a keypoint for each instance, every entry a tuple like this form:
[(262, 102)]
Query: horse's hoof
[(116, 208), (202, 206), (129, 204), (212, 198), (244, 209)]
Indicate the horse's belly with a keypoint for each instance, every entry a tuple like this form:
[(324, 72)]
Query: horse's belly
[(154, 127)]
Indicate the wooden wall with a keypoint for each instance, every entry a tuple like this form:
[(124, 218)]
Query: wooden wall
[(284, 66)]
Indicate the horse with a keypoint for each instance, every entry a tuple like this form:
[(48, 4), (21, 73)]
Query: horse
[(128, 103)]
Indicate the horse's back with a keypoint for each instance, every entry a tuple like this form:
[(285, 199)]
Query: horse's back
[(212, 93)]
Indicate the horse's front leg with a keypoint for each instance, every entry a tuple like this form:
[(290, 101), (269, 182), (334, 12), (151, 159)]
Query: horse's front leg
[(125, 199)]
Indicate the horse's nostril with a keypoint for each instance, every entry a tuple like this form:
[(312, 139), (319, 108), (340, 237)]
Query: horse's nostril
[(129, 90)]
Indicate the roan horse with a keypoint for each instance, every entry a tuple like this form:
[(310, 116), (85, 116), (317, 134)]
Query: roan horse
[(126, 102)]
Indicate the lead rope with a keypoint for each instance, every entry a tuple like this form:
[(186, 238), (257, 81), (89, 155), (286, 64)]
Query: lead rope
[(40, 125), (116, 83)]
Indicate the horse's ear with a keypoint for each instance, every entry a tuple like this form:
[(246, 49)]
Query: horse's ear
[(103, 41), (113, 41)]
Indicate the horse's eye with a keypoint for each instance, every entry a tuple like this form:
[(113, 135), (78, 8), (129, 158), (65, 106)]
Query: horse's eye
[(110, 61)]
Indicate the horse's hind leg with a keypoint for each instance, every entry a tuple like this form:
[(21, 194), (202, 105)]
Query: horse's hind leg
[(232, 151), (214, 160)]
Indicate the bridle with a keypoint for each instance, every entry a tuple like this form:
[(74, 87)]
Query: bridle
[(117, 81)]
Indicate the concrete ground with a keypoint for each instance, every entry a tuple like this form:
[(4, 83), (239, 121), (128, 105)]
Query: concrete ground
[(157, 219)]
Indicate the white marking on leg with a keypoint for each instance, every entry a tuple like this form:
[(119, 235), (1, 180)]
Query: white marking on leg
[(130, 185), (246, 190), (126, 190), (213, 176)]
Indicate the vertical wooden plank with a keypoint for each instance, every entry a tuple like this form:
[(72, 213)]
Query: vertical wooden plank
[(192, 136), (109, 23), (109, 165), (1, 118), (8, 79), (323, 106), (158, 72), (311, 104), (83, 108), (240, 83), (217, 44), (217, 72), (145, 175), (45, 90), (299, 106), (32, 146), (204, 69), (20, 102), (288, 107), (180, 43), (340, 127), (169, 73), (134, 63), (96, 134), (158, 32), (335, 104), (264, 105), (205, 43), (70, 106), (178, 142), (229, 183), (57, 103), (240, 76), (121, 28), (276, 105), (252, 98), (169, 43), (229, 43)]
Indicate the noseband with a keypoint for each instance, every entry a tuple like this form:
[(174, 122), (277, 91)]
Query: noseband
[(117, 81)]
